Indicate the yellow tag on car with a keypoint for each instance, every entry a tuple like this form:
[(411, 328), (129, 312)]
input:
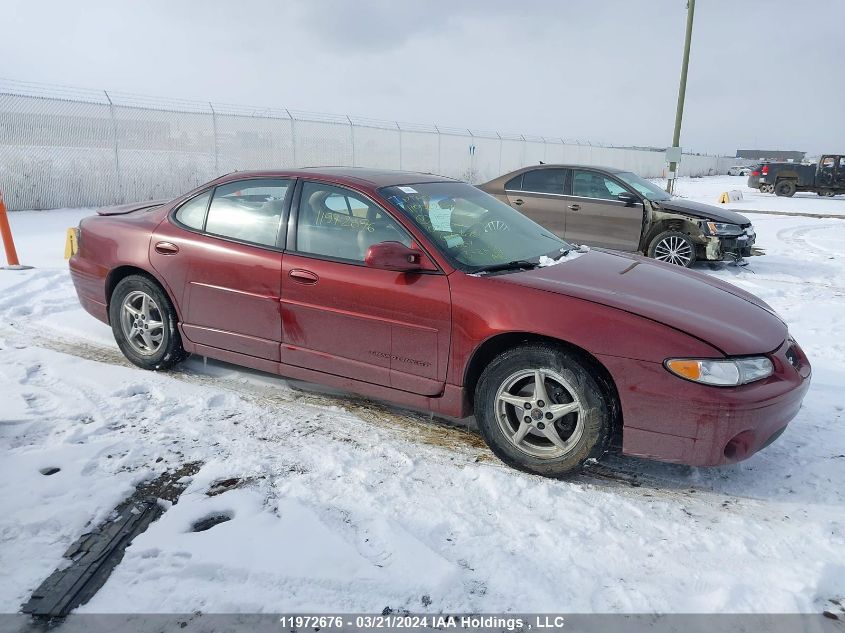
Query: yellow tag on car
[(71, 242)]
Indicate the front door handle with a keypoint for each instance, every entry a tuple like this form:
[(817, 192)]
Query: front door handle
[(518, 201), (166, 248), (303, 276), (574, 207)]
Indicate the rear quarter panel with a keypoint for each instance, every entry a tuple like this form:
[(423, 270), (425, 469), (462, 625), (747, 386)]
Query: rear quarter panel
[(107, 243)]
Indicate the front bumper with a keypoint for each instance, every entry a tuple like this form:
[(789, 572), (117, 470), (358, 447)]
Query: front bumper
[(678, 421), (719, 248)]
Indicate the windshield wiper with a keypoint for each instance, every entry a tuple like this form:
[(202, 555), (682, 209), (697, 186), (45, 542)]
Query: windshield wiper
[(517, 264)]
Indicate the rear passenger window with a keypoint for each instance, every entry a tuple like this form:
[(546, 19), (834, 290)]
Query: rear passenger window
[(248, 210), (544, 181), (192, 213)]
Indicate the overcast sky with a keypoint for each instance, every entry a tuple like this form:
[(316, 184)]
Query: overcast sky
[(763, 73)]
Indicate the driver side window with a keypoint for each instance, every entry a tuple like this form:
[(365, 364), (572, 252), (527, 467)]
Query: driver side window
[(341, 224)]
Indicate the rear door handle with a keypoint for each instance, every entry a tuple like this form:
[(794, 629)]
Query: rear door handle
[(303, 276), (518, 201), (166, 248), (574, 207)]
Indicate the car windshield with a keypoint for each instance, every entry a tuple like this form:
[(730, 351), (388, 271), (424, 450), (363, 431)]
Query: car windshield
[(473, 229), (643, 186)]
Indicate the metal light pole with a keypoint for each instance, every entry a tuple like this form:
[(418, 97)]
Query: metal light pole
[(682, 89)]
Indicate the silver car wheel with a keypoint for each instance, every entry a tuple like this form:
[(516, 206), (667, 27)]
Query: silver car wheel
[(142, 323), (539, 412), (674, 250)]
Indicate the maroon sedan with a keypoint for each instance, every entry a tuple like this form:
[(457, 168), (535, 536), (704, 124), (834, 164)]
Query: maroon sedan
[(430, 293)]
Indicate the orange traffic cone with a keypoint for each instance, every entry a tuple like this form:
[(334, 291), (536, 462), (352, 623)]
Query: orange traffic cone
[(8, 242)]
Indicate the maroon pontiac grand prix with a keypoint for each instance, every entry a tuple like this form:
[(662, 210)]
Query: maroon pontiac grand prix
[(428, 292)]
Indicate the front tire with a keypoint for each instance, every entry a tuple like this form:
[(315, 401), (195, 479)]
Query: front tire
[(143, 321), (673, 247), (551, 430)]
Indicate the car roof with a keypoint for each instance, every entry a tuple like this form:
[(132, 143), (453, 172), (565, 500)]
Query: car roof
[(610, 170), (499, 181), (362, 176)]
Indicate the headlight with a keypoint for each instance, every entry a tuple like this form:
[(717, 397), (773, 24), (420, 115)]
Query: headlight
[(720, 228), (721, 373)]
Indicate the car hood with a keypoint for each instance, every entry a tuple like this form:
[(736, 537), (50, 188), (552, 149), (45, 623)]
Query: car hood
[(718, 313), (699, 210)]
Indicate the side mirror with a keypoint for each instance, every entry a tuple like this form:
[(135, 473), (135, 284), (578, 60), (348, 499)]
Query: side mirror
[(627, 198), (395, 256)]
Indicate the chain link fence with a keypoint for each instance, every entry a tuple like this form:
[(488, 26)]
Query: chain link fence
[(68, 147)]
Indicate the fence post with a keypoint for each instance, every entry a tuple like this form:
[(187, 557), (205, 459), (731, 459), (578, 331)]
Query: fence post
[(400, 144), (214, 128), (501, 143), (437, 129), (292, 136), (116, 153), (352, 137), (470, 173)]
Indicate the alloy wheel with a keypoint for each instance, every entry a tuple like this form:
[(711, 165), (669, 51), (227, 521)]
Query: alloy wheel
[(142, 323), (539, 412), (674, 250)]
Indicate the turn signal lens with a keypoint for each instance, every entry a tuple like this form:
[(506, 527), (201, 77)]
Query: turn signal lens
[(721, 373), (689, 369)]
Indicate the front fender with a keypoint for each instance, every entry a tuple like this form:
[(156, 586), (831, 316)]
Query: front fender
[(479, 315)]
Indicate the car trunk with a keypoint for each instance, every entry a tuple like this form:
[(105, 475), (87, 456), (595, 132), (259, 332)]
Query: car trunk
[(123, 209)]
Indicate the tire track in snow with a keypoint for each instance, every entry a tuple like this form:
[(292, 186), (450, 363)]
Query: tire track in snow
[(414, 426), (629, 476), (797, 236)]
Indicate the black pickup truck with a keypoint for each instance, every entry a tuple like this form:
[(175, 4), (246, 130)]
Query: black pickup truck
[(784, 179)]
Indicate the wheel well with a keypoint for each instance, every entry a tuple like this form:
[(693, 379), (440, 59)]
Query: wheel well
[(121, 272), (674, 224), (495, 345)]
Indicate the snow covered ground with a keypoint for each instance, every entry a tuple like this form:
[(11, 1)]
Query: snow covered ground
[(343, 505), (709, 189)]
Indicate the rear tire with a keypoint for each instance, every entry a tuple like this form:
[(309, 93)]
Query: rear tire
[(569, 418), (673, 247), (143, 321), (785, 188)]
